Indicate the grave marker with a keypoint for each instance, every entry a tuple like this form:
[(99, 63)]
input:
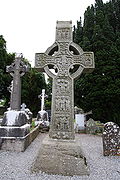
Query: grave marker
[(111, 139), (17, 69), (69, 61)]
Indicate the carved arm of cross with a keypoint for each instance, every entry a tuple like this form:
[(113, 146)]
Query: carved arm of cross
[(42, 60), (85, 62)]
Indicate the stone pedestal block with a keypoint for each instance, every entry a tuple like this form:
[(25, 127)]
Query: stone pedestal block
[(22, 131), (14, 118), (63, 157), (18, 144)]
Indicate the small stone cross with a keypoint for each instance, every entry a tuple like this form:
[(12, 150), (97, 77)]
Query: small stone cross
[(17, 69), (69, 61), (42, 97), (23, 106)]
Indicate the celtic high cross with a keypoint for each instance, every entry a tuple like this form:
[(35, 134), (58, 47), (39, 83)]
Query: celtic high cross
[(17, 69), (69, 61), (42, 97)]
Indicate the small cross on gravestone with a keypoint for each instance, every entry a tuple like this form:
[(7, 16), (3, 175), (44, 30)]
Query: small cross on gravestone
[(23, 106), (69, 61), (17, 69)]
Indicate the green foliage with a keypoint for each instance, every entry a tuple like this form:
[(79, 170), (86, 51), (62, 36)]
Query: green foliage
[(5, 79), (100, 91), (32, 84), (32, 125)]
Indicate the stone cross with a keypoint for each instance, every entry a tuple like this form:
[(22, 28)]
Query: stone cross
[(42, 97), (69, 61), (23, 106), (16, 70)]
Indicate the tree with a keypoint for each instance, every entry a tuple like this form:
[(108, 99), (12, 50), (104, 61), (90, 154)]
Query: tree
[(100, 91), (5, 79), (32, 84)]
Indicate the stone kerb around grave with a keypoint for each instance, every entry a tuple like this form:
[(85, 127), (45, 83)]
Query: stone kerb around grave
[(111, 139)]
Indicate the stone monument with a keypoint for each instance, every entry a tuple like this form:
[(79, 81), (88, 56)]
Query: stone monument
[(69, 61), (111, 139), (17, 69), (15, 122), (91, 126), (42, 116)]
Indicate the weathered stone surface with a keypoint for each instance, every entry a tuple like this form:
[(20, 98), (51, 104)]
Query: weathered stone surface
[(111, 139), (61, 157), (17, 69), (42, 116), (69, 61), (14, 131), (14, 118), (91, 126), (18, 144), (29, 114)]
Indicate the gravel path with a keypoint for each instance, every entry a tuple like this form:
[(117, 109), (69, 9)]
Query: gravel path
[(16, 166)]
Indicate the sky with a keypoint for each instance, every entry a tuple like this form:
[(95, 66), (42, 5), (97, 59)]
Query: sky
[(28, 26)]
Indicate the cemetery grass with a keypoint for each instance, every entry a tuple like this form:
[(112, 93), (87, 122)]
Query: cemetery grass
[(17, 166)]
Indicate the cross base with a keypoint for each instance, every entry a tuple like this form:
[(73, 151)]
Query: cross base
[(61, 135)]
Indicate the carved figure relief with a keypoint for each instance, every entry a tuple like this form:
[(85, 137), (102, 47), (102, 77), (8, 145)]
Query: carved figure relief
[(63, 48), (62, 86), (63, 34), (88, 60), (62, 103), (63, 63), (62, 123)]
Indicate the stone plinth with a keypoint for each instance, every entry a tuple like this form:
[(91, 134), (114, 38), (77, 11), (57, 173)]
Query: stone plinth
[(18, 144), (14, 118), (22, 131), (63, 157)]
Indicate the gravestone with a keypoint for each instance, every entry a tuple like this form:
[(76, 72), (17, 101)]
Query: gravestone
[(69, 62), (80, 122), (14, 117), (15, 121), (111, 139), (42, 116), (91, 126), (29, 114)]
